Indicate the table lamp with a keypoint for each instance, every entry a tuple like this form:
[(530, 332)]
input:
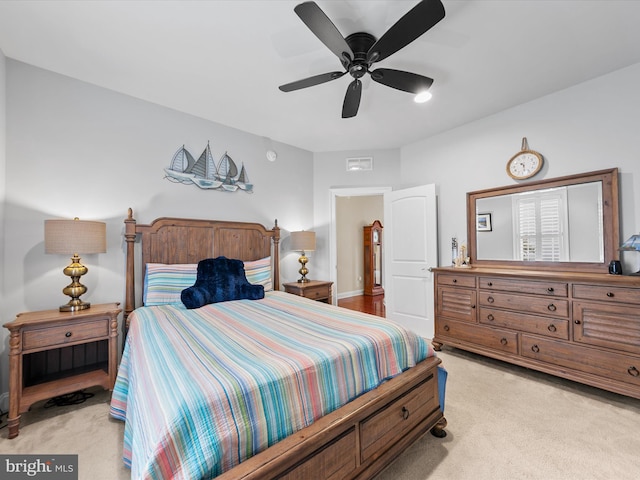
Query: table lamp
[(74, 237), (632, 244), (302, 242)]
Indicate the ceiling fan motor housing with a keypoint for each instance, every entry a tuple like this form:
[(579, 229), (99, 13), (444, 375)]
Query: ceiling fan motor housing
[(360, 43)]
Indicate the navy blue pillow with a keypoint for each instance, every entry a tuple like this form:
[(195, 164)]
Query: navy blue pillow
[(219, 280)]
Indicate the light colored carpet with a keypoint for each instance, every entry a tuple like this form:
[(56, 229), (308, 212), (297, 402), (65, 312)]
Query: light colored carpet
[(505, 422)]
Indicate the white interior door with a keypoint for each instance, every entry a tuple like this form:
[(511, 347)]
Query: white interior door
[(410, 250)]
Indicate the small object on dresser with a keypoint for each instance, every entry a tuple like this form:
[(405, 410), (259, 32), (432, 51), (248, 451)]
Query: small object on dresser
[(615, 267), (632, 244)]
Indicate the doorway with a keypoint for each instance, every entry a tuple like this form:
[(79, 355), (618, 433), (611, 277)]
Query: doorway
[(349, 250)]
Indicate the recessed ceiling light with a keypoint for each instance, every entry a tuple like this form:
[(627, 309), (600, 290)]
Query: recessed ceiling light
[(422, 97)]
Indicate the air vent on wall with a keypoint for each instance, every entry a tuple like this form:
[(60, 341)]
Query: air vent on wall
[(358, 164)]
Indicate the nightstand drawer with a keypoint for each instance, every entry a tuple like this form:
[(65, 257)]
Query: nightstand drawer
[(317, 293), (59, 335)]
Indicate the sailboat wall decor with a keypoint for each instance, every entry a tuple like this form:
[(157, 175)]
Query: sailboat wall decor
[(205, 173)]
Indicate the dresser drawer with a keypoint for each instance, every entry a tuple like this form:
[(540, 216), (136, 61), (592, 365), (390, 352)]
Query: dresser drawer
[(458, 303), (550, 327), (556, 289), (403, 415), (467, 281), (606, 325), (497, 339), (70, 333), (607, 294), (546, 306), (606, 364)]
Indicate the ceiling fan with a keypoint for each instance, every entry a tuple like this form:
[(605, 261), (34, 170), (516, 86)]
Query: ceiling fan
[(359, 51)]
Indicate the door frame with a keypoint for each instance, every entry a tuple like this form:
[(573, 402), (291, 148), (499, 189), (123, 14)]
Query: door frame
[(333, 236)]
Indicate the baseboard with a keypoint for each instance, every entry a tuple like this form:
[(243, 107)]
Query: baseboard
[(354, 293)]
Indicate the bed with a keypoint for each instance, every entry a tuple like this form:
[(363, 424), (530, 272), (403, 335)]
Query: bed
[(277, 387)]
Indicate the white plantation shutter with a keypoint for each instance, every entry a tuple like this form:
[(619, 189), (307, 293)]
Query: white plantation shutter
[(540, 225), (528, 232), (550, 229)]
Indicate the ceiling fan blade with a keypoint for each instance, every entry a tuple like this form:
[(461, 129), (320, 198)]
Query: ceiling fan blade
[(311, 81), (400, 80), (352, 99), (323, 28), (413, 24)]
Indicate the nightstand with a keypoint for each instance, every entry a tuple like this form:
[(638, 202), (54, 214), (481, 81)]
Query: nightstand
[(313, 289), (53, 353)]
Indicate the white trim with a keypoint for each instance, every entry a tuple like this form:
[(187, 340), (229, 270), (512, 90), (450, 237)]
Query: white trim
[(355, 293), (333, 247)]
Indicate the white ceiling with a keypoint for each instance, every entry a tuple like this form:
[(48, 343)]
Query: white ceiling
[(224, 60)]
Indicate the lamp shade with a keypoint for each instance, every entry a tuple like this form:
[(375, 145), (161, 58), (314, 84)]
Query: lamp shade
[(303, 241), (75, 236), (632, 244)]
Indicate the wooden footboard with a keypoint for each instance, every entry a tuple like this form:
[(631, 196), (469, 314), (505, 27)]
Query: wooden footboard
[(359, 439), (355, 441)]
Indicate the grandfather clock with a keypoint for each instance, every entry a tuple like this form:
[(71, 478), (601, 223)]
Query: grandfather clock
[(373, 259)]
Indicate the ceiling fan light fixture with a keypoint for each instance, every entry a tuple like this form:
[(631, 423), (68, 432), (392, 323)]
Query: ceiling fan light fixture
[(422, 97)]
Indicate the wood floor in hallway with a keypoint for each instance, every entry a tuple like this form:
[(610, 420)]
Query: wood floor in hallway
[(373, 304)]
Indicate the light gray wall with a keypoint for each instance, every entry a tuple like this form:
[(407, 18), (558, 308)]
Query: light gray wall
[(74, 149), (329, 172), (590, 126), (3, 163)]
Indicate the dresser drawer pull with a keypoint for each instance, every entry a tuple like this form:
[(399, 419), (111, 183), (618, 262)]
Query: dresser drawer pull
[(552, 328), (490, 299), (490, 284), (633, 371), (446, 328), (550, 289), (405, 413), (576, 321), (455, 280), (552, 307), (490, 317), (535, 348), (610, 294), (503, 341), (68, 334)]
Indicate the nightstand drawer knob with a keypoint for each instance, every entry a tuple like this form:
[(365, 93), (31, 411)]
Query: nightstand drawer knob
[(633, 371), (68, 334)]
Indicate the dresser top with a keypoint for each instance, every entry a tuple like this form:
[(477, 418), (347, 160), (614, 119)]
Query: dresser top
[(530, 273)]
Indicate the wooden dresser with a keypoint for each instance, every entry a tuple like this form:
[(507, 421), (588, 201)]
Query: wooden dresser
[(580, 326)]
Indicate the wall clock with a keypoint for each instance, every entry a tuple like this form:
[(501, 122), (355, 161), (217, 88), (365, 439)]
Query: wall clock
[(524, 164)]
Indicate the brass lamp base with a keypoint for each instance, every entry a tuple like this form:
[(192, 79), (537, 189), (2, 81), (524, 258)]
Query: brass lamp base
[(303, 269), (75, 289)]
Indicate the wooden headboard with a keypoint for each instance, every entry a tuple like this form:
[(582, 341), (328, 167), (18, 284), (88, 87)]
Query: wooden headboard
[(182, 240)]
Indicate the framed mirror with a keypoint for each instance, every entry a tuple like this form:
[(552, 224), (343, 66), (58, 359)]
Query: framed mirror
[(566, 223)]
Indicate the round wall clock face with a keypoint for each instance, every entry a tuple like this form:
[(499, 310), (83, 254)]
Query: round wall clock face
[(524, 164)]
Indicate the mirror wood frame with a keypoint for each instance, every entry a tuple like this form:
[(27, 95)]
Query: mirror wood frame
[(610, 218)]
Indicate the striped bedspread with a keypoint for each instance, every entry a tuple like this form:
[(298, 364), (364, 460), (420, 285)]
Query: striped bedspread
[(202, 390)]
